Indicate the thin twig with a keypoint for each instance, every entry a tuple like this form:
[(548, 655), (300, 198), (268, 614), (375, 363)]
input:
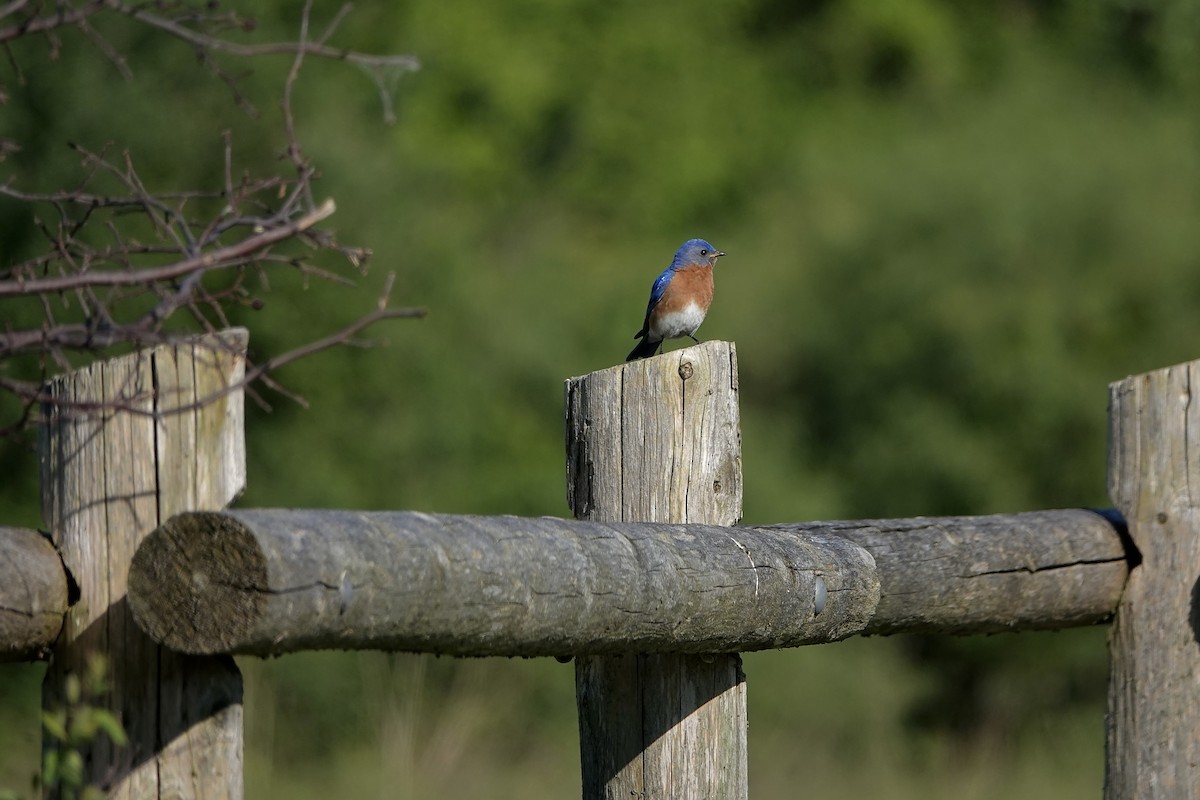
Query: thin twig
[(223, 257), (219, 45), (49, 22)]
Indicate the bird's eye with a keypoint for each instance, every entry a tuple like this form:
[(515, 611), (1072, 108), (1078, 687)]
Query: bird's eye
[(703, 252)]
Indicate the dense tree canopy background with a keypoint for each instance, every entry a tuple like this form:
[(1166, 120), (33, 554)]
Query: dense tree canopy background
[(949, 226)]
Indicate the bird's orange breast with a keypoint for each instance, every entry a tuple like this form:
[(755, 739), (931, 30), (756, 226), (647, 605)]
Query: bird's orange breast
[(692, 284)]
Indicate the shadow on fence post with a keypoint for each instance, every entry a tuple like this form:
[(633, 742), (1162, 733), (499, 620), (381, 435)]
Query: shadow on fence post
[(659, 441), (1153, 740), (126, 445)]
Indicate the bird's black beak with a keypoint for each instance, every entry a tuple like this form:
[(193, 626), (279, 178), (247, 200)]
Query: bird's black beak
[(718, 254)]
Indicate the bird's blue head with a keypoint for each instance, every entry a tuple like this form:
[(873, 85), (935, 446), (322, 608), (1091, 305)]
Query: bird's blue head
[(696, 251)]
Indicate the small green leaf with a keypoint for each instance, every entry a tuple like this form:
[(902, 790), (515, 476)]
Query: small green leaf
[(72, 689), (97, 674), (71, 769), (50, 763), (83, 726), (55, 724), (108, 722)]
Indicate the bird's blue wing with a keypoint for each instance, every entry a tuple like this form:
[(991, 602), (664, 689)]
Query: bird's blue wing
[(656, 291)]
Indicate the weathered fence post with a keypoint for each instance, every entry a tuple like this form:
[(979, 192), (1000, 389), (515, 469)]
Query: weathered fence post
[(659, 441), (128, 443), (1153, 742)]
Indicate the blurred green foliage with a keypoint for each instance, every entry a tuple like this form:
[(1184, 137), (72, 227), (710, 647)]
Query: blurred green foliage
[(74, 725), (949, 226)]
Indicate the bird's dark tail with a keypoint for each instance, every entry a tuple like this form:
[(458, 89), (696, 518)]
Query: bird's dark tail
[(645, 348)]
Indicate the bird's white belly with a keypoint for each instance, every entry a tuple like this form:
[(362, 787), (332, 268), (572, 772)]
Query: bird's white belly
[(674, 324)]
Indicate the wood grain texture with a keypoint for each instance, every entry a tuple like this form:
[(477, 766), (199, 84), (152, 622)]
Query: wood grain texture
[(659, 440), (269, 582), (201, 464), (1005, 572), (1153, 723), (119, 453), (33, 595)]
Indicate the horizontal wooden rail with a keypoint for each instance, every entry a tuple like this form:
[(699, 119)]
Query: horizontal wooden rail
[(986, 574), (270, 582), (33, 594), (275, 581)]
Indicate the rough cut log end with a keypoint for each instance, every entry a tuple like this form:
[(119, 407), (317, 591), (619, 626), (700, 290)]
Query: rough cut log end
[(33, 594), (197, 584)]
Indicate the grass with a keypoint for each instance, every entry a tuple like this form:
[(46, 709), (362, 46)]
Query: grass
[(837, 720)]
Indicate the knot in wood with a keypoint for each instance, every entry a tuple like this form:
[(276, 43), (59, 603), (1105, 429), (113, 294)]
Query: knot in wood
[(686, 370)]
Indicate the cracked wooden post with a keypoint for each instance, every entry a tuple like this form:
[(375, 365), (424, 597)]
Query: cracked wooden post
[(658, 440), (1153, 742), (127, 443)]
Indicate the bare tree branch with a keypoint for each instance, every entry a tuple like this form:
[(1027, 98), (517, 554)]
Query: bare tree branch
[(119, 266), (217, 45), (233, 255), (64, 16)]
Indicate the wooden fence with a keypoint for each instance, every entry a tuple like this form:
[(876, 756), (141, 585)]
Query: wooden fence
[(654, 589)]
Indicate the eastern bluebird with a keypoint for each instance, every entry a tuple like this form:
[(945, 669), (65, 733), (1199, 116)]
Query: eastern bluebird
[(679, 298)]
